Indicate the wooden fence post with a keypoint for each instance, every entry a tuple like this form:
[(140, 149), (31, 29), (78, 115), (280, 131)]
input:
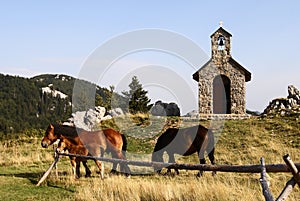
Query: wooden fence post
[(287, 190), (49, 170), (264, 182), (292, 182), (293, 168)]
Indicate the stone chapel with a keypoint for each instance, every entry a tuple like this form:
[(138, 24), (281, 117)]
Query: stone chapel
[(222, 81)]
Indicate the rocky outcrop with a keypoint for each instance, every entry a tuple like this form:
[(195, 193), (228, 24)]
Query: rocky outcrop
[(294, 96), (116, 112), (285, 106), (50, 90), (194, 114), (88, 119), (165, 109)]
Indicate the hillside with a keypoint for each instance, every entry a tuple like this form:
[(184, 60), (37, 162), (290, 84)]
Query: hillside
[(35, 102)]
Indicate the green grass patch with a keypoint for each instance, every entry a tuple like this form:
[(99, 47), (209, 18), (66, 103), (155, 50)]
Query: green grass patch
[(19, 183)]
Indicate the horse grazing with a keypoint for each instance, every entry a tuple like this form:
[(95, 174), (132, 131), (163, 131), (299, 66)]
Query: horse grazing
[(114, 143), (93, 149), (185, 142)]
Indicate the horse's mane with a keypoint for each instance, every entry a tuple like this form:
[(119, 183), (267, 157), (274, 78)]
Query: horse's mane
[(70, 139), (70, 131)]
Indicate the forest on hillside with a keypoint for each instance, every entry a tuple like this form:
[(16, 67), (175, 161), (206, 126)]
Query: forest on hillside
[(23, 105)]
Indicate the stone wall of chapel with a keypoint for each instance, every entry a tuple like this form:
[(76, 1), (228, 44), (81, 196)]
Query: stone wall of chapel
[(237, 87)]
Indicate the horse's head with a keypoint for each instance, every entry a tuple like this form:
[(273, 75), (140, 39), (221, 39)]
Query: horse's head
[(50, 137)]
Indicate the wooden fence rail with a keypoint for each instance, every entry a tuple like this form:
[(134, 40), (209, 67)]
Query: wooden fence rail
[(203, 167), (262, 168)]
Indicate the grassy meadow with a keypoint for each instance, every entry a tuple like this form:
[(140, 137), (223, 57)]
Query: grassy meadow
[(23, 161)]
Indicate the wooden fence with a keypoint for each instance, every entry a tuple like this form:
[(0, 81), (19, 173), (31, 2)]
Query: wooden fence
[(261, 168)]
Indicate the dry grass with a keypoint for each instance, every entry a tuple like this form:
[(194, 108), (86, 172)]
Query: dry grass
[(223, 187), (25, 150), (186, 187)]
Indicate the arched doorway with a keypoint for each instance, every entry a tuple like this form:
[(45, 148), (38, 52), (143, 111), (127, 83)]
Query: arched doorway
[(221, 95)]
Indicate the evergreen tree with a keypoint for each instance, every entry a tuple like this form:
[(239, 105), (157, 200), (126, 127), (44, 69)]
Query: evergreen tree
[(138, 100)]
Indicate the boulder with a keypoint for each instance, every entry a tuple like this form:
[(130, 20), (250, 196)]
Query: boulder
[(194, 114), (116, 112), (88, 119), (165, 109)]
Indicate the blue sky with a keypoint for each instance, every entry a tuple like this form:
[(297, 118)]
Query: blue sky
[(58, 36)]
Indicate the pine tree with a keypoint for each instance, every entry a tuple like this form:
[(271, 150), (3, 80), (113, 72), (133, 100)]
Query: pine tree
[(138, 100)]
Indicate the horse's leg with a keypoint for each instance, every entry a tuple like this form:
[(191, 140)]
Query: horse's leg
[(87, 169), (114, 168), (123, 166), (202, 161), (55, 154), (95, 150), (210, 149), (212, 159), (157, 156), (172, 160), (201, 154), (74, 167), (100, 165), (78, 169), (115, 165)]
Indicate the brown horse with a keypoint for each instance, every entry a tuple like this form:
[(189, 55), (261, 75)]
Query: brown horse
[(185, 142), (109, 140), (93, 149)]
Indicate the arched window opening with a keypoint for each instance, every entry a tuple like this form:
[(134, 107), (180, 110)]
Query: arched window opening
[(221, 95), (221, 43)]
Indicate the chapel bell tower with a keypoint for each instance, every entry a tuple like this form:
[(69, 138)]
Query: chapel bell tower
[(220, 46)]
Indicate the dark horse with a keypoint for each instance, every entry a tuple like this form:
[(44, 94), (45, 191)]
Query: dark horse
[(185, 142), (114, 143)]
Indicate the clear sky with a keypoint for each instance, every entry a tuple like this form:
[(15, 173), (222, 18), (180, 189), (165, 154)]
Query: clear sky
[(57, 36)]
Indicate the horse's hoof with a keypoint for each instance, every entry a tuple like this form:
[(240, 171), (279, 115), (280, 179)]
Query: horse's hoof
[(88, 175), (199, 174), (128, 176), (158, 172), (169, 174), (214, 173)]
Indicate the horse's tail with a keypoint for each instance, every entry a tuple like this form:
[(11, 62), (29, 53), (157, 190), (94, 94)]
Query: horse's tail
[(124, 146)]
